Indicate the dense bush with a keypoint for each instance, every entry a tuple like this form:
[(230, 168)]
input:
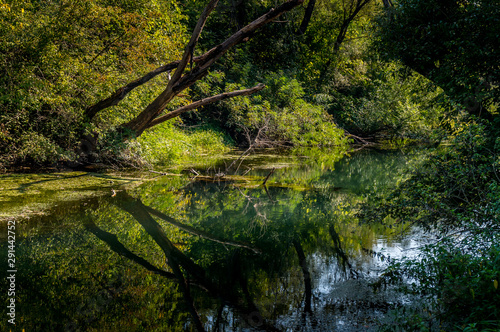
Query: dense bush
[(279, 115), (389, 102)]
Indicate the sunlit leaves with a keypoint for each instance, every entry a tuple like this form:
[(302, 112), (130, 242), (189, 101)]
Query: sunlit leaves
[(60, 57)]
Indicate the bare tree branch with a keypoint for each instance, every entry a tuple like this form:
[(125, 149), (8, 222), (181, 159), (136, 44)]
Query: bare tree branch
[(189, 50), (119, 94), (307, 18), (349, 16), (205, 101), (244, 32)]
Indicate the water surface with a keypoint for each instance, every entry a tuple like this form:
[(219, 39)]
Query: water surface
[(218, 254)]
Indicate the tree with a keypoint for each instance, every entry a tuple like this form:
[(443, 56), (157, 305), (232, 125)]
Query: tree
[(327, 31), (58, 58), (180, 81), (453, 43)]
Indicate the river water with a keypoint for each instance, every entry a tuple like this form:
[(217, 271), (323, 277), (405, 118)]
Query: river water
[(197, 252)]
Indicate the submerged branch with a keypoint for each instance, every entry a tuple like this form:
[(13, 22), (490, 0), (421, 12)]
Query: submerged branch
[(268, 175)]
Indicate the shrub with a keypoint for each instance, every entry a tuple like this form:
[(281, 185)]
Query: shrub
[(166, 144)]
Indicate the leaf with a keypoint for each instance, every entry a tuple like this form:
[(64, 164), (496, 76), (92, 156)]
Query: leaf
[(495, 284)]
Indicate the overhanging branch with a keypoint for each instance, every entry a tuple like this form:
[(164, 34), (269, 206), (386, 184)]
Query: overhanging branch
[(122, 92), (203, 102), (119, 94)]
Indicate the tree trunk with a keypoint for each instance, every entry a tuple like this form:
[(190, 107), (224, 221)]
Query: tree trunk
[(307, 18)]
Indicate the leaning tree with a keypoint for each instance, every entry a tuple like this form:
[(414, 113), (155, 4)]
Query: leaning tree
[(186, 72)]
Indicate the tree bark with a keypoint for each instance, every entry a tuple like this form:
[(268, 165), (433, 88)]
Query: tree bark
[(387, 3)]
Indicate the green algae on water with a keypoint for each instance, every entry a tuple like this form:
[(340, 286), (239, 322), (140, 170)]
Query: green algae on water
[(24, 195)]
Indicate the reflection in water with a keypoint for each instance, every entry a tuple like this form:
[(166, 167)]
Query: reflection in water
[(224, 256)]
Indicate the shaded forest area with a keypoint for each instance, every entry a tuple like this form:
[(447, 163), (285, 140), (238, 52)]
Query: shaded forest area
[(335, 71), (77, 79)]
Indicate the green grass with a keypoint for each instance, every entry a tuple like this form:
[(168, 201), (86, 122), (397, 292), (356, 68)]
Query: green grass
[(167, 145)]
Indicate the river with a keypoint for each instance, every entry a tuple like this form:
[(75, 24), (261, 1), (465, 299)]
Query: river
[(195, 251)]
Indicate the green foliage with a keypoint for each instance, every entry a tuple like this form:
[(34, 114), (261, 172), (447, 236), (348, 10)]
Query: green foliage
[(59, 58), (294, 67), (279, 115), (456, 194), (454, 43), (324, 63), (164, 145), (458, 281), (391, 102)]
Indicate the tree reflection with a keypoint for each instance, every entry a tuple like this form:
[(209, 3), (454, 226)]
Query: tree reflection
[(181, 265), (196, 256), (230, 290)]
